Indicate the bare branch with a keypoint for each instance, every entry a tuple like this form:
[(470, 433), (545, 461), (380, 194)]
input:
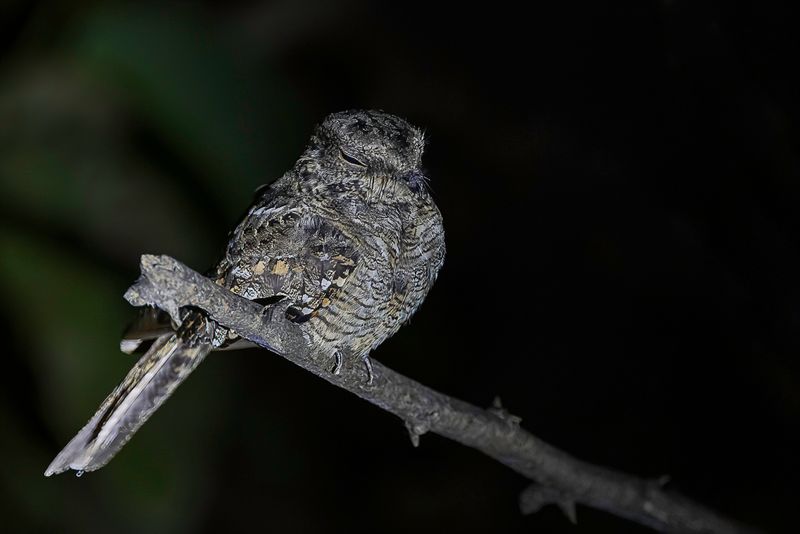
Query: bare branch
[(558, 478)]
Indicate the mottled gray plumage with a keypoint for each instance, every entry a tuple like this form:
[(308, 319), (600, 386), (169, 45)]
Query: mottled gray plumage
[(350, 236)]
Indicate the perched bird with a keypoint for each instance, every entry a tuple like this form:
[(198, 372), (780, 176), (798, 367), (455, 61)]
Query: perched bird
[(350, 236)]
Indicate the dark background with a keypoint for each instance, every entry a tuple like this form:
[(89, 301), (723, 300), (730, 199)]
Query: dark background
[(619, 187)]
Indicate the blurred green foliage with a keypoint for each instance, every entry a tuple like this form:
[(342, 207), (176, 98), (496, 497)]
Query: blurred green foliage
[(134, 128)]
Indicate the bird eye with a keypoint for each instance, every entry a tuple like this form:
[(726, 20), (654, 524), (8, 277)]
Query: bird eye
[(350, 159)]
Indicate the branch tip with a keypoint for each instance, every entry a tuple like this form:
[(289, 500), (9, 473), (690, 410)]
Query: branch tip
[(415, 430), (537, 496), (569, 510)]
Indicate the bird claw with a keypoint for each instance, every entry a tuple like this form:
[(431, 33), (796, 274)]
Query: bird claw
[(368, 365), (338, 365), (337, 368), (273, 310)]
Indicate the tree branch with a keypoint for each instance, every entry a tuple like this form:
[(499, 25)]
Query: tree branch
[(558, 478)]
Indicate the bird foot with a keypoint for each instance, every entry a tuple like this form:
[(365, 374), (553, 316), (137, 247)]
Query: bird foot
[(338, 365), (368, 365), (337, 368)]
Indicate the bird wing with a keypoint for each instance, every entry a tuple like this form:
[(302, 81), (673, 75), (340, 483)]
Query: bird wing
[(288, 251)]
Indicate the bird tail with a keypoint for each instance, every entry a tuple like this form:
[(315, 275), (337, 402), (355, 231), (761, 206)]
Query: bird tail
[(167, 363)]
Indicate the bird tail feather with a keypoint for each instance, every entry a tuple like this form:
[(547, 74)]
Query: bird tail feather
[(147, 385)]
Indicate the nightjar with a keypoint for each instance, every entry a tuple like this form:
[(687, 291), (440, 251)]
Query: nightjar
[(350, 237)]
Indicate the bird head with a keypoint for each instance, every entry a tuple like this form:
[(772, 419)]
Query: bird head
[(365, 143)]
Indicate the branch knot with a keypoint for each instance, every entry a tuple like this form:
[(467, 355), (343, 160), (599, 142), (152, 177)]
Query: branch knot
[(497, 409)]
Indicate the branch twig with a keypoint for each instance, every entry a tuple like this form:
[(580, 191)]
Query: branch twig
[(557, 477)]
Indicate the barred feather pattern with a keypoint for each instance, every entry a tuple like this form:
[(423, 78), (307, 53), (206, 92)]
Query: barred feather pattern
[(355, 266)]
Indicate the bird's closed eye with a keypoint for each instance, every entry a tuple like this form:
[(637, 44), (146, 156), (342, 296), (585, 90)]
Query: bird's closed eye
[(350, 159)]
